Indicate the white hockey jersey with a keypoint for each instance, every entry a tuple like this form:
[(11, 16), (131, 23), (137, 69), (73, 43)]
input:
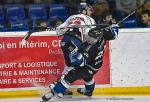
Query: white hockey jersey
[(82, 21)]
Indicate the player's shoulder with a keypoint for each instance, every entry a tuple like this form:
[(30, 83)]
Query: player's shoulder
[(84, 16), (78, 15)]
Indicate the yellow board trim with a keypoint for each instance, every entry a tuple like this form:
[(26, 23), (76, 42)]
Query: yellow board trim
[(113, 91)]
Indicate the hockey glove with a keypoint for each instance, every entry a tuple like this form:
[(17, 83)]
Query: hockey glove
[(111, 32), (70, 46), (95, 32)]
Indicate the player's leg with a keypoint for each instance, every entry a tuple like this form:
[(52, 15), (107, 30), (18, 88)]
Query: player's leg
[(89, 87), (66, 45), (89, 80), (67, 93), (64, 82)]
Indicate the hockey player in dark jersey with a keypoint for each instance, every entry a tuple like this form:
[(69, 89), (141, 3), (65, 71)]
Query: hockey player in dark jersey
[(86, 58)]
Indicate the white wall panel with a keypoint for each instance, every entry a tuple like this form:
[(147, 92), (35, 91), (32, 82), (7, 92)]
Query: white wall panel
[(130, 58)]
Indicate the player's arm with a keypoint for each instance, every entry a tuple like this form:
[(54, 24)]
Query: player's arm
[(109, 33), (60, 30)]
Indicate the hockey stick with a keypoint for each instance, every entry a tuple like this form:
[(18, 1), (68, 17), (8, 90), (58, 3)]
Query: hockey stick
[(121, 21), (25, 38), (81, 26)]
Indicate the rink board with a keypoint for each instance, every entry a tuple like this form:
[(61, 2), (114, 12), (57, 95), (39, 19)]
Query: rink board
[(130, 58), (38, 63)]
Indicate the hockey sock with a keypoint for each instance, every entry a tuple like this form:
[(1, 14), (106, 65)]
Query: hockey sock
[(90, 88), (90, 85), (61, 86)]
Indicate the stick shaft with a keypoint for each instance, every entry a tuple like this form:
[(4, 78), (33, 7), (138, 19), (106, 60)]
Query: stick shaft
[(121, 21)]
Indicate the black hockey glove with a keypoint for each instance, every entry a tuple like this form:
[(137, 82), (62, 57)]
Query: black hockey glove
[(72, 48), (111, 32), (96, 32)]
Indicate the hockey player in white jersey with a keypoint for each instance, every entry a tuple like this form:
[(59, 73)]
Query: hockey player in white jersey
[(83, 50), (75, 31)]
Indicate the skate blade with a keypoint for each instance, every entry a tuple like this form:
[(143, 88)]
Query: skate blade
[(67, 96), (53, 99)]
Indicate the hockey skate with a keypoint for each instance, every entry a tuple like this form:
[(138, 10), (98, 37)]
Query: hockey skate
[(48, 96), (67, 93), (85, 92), (51, 97)]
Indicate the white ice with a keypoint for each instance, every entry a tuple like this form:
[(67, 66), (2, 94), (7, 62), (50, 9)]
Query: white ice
[(85, 99)]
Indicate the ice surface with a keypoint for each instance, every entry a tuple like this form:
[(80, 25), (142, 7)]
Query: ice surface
[(85, 99)]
